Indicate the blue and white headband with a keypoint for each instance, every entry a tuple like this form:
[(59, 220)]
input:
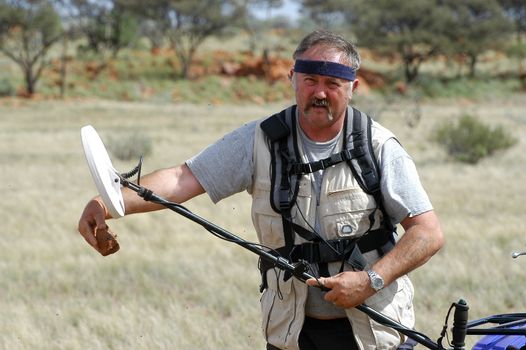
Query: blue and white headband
[(331, 69)]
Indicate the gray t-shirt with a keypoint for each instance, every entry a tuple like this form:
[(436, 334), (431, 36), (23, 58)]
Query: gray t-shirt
[(226, 167)]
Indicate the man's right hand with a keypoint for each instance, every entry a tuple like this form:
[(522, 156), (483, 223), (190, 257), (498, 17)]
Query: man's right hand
[(93, 217)]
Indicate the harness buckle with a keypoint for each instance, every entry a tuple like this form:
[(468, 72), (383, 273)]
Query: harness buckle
[(284, 203), (357, 152), (325, 163), (337, 158), (346, 155)]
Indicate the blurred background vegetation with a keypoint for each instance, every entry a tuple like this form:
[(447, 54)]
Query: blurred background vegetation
[(239, 51), (224, 51)]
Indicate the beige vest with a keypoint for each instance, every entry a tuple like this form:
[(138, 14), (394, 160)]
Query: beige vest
[(342, 204)]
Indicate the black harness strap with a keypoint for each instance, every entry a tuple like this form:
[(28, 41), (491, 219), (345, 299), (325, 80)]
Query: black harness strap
[(322, 164), (284, 199), (277, 130), (286, 170), (364, 165), (345, 250)]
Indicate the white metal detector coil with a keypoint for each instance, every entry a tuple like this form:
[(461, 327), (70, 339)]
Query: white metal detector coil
[(104, 175)]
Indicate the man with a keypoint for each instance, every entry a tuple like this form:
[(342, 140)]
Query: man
[(327, 203)]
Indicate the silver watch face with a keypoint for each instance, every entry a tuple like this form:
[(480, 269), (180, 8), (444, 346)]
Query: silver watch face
[(377, 282)]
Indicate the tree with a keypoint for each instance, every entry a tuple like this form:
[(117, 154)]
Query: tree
[(515, 10), (188, 23), (28, 29), (191, 23), (259, 30), (412, 29), (473, 27), (108, 26)]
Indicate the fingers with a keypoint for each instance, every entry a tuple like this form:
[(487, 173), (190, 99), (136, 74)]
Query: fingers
[(325, 282), (92, 218), (100, 216), (320, 281), (313, 282), (88, 232), (335, 290)]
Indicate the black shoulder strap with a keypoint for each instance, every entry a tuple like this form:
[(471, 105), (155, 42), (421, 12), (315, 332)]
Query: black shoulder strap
[(275, 127), (284, 154), (363, 163)]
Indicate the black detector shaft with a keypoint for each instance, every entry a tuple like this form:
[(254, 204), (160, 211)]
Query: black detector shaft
[(460, 328), (296, 270)]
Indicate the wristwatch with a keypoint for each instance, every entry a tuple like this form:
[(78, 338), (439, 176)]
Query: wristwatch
[(377, 282)]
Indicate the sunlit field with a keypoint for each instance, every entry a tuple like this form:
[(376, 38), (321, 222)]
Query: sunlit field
[(175, 286)]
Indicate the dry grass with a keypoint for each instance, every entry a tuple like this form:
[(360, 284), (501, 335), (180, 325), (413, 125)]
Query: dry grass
[(173, 285)]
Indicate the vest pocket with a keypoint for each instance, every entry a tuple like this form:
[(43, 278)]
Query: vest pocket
[(268, 223), (395, 301), (281, 307), (345, 213)]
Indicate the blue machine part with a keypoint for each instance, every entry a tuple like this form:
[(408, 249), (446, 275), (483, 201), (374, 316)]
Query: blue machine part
[(502, 342)]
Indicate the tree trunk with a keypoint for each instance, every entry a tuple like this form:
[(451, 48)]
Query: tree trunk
[(472, 64), (411, 70), (186, 60), (29, 80), (185, 69), (63, 66)]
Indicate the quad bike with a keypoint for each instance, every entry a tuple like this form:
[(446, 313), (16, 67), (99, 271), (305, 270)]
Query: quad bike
[(500, 332)]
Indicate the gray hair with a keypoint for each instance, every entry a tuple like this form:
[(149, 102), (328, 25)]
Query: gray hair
[(331, 41)]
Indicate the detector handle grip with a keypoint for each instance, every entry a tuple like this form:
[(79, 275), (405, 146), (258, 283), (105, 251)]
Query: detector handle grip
[(460, 321)]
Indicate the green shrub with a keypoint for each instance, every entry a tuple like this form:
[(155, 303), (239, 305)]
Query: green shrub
[(130, 146), (6, 88), (470, 140), (435, 87)]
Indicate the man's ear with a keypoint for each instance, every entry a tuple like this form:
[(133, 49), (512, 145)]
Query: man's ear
[(355, 84), (292, 79), (291, 73)]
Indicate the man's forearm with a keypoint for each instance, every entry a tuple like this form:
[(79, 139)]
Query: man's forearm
[(423, 237), (176, 184)]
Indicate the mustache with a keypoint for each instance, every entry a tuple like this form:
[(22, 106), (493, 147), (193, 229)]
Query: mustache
[(319, 102)]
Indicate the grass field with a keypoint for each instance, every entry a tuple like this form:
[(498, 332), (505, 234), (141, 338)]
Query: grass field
[(174, 286)]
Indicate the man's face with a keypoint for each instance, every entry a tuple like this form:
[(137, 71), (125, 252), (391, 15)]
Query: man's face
[(322, 100)]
